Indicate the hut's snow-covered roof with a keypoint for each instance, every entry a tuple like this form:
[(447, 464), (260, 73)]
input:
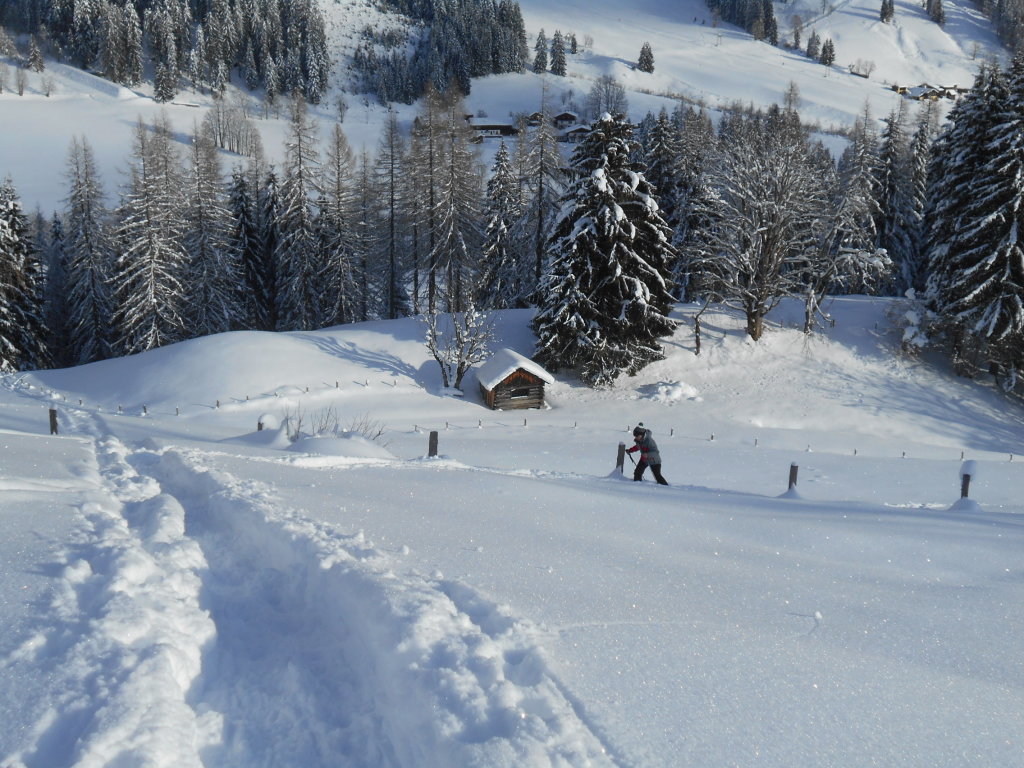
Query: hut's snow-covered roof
[(505, 362)]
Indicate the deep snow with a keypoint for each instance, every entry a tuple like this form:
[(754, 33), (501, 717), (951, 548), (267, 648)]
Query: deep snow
[(184, 590)]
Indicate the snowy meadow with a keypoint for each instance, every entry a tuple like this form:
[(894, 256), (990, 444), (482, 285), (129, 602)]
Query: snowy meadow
[(181, 589)]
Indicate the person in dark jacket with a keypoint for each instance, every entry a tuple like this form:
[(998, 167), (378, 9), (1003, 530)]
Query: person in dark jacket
[(649, 455)]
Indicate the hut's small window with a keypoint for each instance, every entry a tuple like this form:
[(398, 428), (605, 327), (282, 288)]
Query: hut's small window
[(519, 392)]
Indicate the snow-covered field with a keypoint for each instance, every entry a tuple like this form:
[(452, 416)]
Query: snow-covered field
[(178, 589), (716, 66)]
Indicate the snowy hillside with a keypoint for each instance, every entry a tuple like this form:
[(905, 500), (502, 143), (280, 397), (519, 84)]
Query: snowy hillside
[(716, 66), (179, 589)]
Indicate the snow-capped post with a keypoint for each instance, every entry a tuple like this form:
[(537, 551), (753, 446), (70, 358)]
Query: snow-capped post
[(259, 426), (793, 470), (145, 411), (432, 445), (53, 421), (620, 459)]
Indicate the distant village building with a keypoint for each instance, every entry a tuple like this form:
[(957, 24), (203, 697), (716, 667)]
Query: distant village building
[(575, 134), (509, 381), (565, 119), (486, 128)]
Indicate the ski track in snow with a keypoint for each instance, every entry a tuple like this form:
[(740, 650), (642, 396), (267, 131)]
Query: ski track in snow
[(203, 623)]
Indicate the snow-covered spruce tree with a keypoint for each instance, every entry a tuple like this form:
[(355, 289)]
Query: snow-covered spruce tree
[(22, 336), (558, 66), (606, 299), (646, 61), (334, 229), (693, 193), (151, 267), (661, 163), (898, 222), (813, 45), (49, 237), (953, 212), (212, 299), (984, 290), (828, 53), (540, 53), (245, 241), (389, 170), (89, 254), (297, 254), (503, 270), (859, 169), (915, 272), (365, 240)]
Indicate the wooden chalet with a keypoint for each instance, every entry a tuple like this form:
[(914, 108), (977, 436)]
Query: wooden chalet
[(565, 119), (491, 128), (574, 135), (509, 381)]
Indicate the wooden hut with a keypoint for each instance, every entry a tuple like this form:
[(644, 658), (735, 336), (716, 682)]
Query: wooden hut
[(508, 380)]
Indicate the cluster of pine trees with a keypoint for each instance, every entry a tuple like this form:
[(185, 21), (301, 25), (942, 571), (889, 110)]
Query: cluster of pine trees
[(458, 40), (975, 219), (747, 212), (277, 45)]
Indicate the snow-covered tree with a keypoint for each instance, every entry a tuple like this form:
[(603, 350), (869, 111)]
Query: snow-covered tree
[(541, 175), (764, 218), (152, 265), (503, 271), (605, 301), (558, 66), (334, 227), (646, 61), (607, 95), (457, 211), (297, 254), (88, 251), (212, 299), (390, 166), (21, 321), (899, 222), (540, 53)]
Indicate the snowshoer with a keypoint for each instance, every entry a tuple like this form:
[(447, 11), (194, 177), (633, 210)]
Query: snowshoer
[(649, 455)]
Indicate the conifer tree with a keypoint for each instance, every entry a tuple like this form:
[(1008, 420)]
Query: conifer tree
[(828, 53), (151, 267), (558, 66), (898, 221), (245, 241), (212, 304), (334, 229), (88, 253), (543, 181), (540, 53), (456, 249), (503, 271), (391, 163), (983, 290), (297, 254), (646, 61), (606, 299), (56, 309), (21, 323)]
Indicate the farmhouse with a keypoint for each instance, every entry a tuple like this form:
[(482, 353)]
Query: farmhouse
[(508, 381)]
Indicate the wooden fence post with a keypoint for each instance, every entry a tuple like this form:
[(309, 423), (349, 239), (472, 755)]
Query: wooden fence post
[(793, 469), (965, 486), (432, 445), (53, 421), (620, 458)]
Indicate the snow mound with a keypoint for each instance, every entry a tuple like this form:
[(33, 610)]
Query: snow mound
[(350, 445)]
